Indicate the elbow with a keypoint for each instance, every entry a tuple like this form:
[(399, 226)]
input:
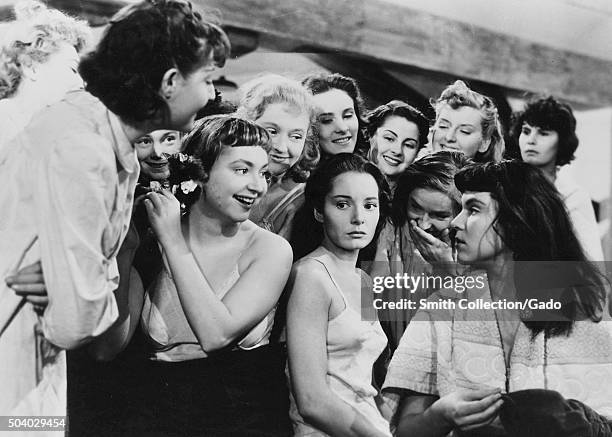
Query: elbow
[(215, 343), (310, 408)]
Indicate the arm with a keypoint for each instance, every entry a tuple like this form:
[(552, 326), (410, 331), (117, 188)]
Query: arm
[(216, 322), (74, 199), (307, 318), (429, 416)]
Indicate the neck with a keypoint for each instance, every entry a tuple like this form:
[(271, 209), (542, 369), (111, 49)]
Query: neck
[(344, 258), (204, 224), (550, 171), (28, 99)]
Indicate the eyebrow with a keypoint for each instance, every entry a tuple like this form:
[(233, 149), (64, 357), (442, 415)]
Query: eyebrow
[(242, 161), (391, 132), (473, 201)]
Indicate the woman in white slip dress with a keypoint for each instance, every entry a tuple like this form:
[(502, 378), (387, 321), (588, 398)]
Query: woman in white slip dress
[(332, 349)]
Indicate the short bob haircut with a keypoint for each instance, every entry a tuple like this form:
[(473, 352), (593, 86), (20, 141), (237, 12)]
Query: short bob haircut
[(36, 33), (396, 108), (549, 114), (269, 89), (307, 232), (205, 143), (458, 95), (141, 43), (533, 223), (435, 172), (321, 83)]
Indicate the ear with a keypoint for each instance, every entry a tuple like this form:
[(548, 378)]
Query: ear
[(169, 83), (318, 216), (485, 146)]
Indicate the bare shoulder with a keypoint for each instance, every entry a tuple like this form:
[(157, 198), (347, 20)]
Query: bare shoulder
[(310, 278), (264, 241)]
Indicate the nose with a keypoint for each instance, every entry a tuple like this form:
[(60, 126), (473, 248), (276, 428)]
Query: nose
[(531, 137), (340, 125), (258, 184), (450, 135), (358, 217), (280, 144), (458, 222), (158, 149)]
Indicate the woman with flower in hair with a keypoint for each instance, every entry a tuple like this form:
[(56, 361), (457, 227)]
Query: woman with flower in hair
[(397, 132), (339, 114), (544, 135), (467, 121), (544, 371), (209, 313), (39, 56), (286, 110)]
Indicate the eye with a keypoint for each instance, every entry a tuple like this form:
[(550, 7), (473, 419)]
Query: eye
[(348, 114), (170, 139), (296, 137), (411, 145), (272, 131), (473, 210), (342, 205), (466, 131), (241, 171), (371, 206), (441, 216), (326, 120), (389, 138), (525, 131), (443, 126), (545, 133), (143, 142)]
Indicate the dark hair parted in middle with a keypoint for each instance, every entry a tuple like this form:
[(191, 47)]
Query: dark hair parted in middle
[(321, 83), (203, 146), (549, 114), (376, 118), (435, 172), (307, 232), (142, 42), (533, 223)]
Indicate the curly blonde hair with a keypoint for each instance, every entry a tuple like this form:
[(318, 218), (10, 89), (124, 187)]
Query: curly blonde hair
[(36, 33)]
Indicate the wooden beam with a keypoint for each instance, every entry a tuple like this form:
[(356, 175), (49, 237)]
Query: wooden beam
[(391, 33)]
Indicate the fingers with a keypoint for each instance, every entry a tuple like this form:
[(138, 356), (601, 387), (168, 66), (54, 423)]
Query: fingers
[(425, 236), (32, 268), (29, 289), (38, 301), (480, 394), (482, 418)]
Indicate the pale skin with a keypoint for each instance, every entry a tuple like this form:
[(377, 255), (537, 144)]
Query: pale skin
[(314, 301)]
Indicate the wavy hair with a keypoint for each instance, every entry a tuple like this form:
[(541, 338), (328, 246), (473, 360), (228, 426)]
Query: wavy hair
[(36, 33), (141, 43), (458, 95), (533, 223), (269, 89)]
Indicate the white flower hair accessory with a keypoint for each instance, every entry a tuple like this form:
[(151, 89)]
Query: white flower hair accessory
[(188, 186)]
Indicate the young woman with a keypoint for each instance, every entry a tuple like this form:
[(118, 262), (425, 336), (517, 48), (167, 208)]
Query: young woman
[(331, 348), (75, 165), (209, 314), (452, 366), (545, 132), (286, 110), (469, 122), (339, 112), (397, 132), (39, 56), (416, 240)]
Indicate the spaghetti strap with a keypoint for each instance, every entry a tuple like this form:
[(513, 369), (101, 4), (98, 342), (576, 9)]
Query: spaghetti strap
[(333, 280)]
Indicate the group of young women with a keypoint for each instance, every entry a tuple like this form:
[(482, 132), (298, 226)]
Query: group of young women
[(245, 294)]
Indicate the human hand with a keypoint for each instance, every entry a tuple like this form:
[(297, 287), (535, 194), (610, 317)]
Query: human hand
[(469, 409), (164, 211), (29, 283), (432, 249)]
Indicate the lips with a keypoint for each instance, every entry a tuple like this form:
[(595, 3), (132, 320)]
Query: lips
[(357, 234), (278, 158), (392, 160), (245, 201), (342, 140)]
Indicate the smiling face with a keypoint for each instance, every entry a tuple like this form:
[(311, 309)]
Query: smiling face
[(350, 211), (337, 121), (395, 145), (153, 150), (432, 210), (476, 240), (287, 128), (237, 181), (539, 146), (459, 129)]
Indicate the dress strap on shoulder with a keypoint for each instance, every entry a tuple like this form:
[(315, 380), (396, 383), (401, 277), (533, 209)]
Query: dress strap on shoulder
[(332, 279)]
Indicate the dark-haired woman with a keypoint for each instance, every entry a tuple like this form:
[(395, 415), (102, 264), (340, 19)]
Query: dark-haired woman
[(397, 132), (545, 132), (339, 114), (69, 177), (452, 366), (331, 348), (416, 239), (209, 313), (286, 109)]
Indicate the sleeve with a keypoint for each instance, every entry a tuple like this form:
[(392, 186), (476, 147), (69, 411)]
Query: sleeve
[(582, 215), (75, 177)]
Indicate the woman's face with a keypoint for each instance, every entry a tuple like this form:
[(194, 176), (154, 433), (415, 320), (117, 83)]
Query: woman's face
[(153, 150), (58, 74), (337, 121), (351, 211), (236, 182), (287, 128), (538, 146), (432, 210), (459, 129), (476, 240), (395, 145)]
